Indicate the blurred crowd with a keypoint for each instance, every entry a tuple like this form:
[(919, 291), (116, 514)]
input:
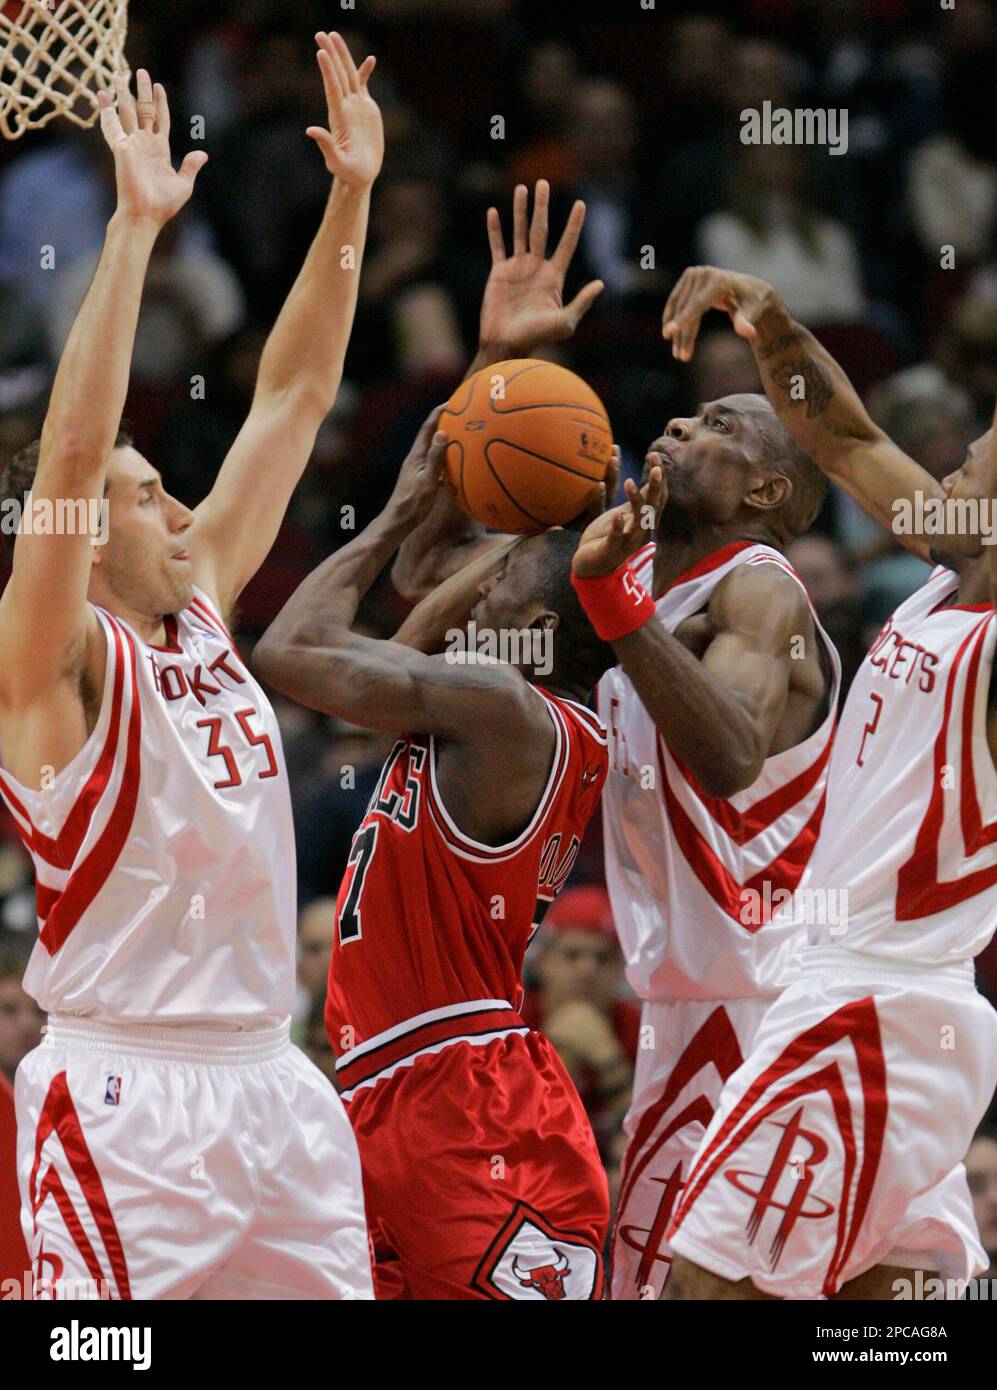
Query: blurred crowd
[(888, 252)]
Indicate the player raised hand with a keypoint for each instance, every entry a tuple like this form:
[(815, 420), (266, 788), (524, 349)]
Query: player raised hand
[(421, 474), (610, 540), (523, 305), (137, 129), (704, 287), (353, 145)]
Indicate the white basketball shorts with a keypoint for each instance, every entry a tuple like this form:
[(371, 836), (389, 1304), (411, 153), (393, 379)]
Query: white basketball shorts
[(163, 1163), (688, 1049), (838, 1145)]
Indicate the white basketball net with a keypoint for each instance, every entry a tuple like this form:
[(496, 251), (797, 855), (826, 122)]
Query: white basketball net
[(54, 57)]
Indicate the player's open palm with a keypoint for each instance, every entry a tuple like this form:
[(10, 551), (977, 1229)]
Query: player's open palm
[(137, 129), (704, 287), (353, 145), (523, 304), (610, 540)]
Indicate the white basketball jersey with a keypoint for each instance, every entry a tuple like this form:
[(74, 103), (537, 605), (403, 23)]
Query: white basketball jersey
[(164, 851), (911, 826), (694, 879)]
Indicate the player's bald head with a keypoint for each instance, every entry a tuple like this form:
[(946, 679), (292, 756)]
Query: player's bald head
[(779, 454)]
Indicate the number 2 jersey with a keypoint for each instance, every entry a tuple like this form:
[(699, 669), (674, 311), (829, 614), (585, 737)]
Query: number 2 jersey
[(910, 832), (164, 850), (432, 926)]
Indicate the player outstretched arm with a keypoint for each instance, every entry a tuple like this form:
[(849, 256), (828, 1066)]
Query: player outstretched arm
[(808, 390), (522, 309), (719, 714), (45, 624), (310, 654), (302, 363)]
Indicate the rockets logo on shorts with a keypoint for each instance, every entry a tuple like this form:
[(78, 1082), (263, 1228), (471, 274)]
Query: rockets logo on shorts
[(529, 1259), (112, 1092), (786, 1186)]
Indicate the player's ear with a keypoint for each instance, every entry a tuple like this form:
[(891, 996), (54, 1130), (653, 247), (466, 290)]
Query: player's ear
[(770, 492)]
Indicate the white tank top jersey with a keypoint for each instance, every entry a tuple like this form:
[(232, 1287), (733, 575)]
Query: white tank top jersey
[(694, 880), (164, 851), (911, 824)]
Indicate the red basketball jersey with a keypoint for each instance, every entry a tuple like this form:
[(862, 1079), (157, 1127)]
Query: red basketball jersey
[(431, 926)]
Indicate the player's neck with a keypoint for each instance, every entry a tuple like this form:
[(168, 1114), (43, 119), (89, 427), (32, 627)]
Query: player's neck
[(676, 553), (151, 630), (974, 580)]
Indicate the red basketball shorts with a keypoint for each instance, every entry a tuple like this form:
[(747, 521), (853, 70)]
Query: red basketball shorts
[(481, 1176)]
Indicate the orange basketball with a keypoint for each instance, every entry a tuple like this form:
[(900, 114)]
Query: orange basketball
[(528, 445)]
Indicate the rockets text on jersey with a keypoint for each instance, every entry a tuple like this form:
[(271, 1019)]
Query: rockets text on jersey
[(910, 831), (164, 851)]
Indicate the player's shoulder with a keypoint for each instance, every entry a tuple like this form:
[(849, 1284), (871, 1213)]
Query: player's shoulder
[(764, 590)]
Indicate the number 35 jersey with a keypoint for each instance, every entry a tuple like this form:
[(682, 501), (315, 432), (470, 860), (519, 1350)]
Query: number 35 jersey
[(164, 851), (432, 926), (910, 830)]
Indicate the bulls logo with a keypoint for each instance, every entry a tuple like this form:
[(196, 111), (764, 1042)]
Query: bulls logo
[(531, 1259), (549, 1279), (789, 1164)]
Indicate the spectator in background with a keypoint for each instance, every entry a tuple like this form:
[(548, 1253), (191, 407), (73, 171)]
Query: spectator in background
[(932, 421), (577, 1003), (775, 230), (407, 308), (191, 300), (316, 925), (724, 365), (549, 76), (327, 820), (981, 1168), (21, 1020), (836, 594)]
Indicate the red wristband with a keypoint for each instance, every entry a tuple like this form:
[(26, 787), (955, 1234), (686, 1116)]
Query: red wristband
[(616, 604)]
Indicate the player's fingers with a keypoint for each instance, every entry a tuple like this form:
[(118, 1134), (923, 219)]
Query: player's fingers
[(332, 53), (126, 106), (324, 141), (346, 59), (495, 238), (330, 81), (162, 110), (569, 237), (366, 70), (582, 302), (519, 201), (192, 165), (110, 123), (677, 296), (145, 106), (538, 226)]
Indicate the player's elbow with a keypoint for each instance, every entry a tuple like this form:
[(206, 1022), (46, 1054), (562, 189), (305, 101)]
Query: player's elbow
[(724, 773)]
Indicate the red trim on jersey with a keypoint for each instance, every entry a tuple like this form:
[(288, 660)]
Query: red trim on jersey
[(920, 891), (714, 1044), (59, 1116), (709, 563), (89, 877), (204, 610), (172, 638), (62, 851), (455, 837), (351, 1072), (743, 826), (858, 1022), (782, 874)]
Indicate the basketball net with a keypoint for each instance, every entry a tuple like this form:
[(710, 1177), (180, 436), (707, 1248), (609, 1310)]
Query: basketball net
[(55, 55)]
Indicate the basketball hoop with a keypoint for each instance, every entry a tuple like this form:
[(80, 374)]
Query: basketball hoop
[(55, 55)]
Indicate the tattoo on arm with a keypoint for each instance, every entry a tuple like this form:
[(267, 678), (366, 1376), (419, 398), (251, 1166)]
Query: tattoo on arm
[(818, 392)]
